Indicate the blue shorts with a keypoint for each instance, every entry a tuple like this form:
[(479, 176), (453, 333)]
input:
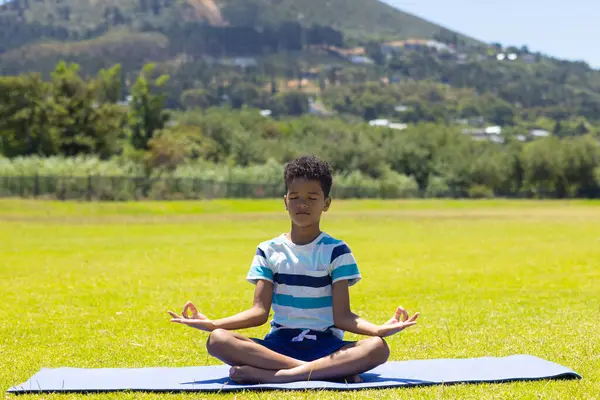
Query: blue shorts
[(304, 345)]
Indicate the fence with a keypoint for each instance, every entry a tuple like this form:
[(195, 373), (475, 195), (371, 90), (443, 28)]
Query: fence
[(122, 188)]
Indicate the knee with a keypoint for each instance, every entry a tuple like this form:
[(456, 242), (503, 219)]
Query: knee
[(380, 352), (217, 340)]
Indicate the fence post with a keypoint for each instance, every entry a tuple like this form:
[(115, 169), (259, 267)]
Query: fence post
[(36, 185), (22, 185), (89, 188)]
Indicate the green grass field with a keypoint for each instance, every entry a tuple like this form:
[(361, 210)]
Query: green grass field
[(88, 285)]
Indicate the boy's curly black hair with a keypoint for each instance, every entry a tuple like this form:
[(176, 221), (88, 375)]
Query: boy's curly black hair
[(309, 167)]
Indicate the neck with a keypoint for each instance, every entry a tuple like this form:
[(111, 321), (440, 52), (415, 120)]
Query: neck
[(302, 235)]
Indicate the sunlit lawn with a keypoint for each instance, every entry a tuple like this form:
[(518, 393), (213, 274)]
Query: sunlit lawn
[(88, 285)]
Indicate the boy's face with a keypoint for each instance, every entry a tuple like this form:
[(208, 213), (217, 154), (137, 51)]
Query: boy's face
[(305, 201)]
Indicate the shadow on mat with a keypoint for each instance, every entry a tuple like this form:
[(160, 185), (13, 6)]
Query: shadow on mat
[(367, 378)]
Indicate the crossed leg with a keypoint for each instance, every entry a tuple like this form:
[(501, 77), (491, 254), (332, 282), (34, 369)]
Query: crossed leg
[(254, 363), (235, 350)]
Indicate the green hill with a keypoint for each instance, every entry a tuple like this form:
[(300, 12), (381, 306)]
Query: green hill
[(358, 18), (26, 21)]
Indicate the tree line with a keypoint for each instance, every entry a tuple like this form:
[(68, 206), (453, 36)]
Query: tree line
[(68, 116)]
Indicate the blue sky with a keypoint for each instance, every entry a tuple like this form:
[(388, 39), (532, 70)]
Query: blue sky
[(563, 29)]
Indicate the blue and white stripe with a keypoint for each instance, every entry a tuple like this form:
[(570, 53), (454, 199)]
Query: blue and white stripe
[(302, 278)]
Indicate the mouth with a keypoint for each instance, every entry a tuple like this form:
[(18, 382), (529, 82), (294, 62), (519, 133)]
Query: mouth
[(302, 213)]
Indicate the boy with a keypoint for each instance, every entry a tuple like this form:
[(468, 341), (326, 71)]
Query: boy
[(304, 275)]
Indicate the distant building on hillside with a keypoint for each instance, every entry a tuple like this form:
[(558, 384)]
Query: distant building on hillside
[(387, 123), (240, 62), (311, 74), (364, 60), (539, 133), (398, 126), (490, 133), (379, 122), (474, 121), (493, 130), (397, 46), (356, 55)]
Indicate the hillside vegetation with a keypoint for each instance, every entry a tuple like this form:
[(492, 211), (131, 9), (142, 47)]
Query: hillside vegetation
[(25, 21)]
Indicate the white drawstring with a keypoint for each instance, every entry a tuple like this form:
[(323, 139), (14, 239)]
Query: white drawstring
[(303, 335)]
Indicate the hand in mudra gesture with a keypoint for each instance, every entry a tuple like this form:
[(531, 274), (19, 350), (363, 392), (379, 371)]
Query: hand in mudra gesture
[(397, 323), (195, 320)]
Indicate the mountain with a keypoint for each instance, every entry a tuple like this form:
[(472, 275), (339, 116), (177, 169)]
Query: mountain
[(357, 18), (27, 21)]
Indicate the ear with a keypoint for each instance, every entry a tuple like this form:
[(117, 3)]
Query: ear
[(327, 204), (285, 201)]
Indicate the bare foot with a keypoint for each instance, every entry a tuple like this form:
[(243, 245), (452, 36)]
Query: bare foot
[(250, 375), (247, 375)]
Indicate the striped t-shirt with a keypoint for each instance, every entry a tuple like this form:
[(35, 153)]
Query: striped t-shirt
[(302, 277)]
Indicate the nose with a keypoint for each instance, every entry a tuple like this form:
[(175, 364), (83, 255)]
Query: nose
[(302, 205)]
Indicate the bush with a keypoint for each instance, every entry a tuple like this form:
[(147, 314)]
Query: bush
[(480, 192), (394, 185), (81, 166), (355, 185), (437, 188)]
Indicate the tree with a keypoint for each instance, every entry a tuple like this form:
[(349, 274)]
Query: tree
[(198, 98), (543, 168), (469, 110), (332, 76), (146, 112), (24, 119), (293, 103), (580, 156), (109, 84), (501, 114), (245, 94), (155, 6), (373, 51), (324, 35), (290, 36), (64, 12), (322, 83), (581, 129), (446, 36), (558, 129), (84, 123)]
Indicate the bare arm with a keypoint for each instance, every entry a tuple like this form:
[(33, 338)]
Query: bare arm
[(257, 315), (346, 320)]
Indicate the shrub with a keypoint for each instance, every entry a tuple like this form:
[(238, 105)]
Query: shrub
[(480, 192), (437, 188)]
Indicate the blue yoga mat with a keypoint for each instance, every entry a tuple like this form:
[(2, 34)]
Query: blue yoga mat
[(215, 378)]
